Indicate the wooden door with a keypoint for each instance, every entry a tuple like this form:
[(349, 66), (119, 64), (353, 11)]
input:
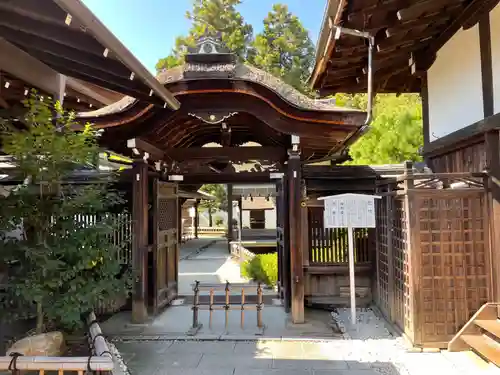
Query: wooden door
[(165, 243)]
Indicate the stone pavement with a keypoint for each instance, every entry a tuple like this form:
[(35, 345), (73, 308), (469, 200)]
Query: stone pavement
[(213, 264), (367, 348)]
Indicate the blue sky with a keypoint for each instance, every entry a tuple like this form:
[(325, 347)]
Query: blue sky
[(148, 28)]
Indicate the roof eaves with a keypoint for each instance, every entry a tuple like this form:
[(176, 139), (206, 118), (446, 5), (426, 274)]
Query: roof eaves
[(333, 9), (78, 10)]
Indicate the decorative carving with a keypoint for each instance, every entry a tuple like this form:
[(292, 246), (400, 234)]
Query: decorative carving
[(213, 118), (208, 44), (249, 73)]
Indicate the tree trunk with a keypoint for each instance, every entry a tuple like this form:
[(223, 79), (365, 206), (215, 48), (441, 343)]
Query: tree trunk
[(210, 218), (39, 318)]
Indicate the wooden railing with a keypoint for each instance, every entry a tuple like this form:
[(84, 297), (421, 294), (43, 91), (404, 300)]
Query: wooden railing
[(100, 358)]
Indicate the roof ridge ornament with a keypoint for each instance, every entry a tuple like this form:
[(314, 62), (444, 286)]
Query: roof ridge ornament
[(209, 49)]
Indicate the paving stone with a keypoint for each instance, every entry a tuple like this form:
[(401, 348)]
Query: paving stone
[(194, 371), (243, 361), (260, 349), (179, 360), (344, 372), (309, 364), (244, 371), (202, 347)]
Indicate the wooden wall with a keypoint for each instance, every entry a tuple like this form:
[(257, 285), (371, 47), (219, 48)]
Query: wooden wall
[(467, 158)]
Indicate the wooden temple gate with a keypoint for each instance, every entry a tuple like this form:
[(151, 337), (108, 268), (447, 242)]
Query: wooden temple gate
[(231, 104)]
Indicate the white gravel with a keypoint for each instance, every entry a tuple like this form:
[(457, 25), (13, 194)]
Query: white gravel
[(369, 341)]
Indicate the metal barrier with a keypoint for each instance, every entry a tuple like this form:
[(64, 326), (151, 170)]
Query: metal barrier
[(212, 306)]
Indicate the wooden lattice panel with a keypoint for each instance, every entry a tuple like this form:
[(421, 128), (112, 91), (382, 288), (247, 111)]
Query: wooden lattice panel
[(453, 234), (167, 213), (402, 309), (383, 247)]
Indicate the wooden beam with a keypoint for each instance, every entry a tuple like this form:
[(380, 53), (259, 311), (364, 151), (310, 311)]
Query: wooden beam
[(226, 178), (486, 65), (474, 8), (413, 25), (83, 89), (420, 8), (487, 8), (144, 146), (3, 102), (420, 62), (60, 63), (51, 31), (403, 39), (84, 58), (25, 67), (226, 153)]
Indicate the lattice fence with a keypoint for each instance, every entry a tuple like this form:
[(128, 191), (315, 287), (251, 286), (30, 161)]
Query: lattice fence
[(432, 262), (453, 239)]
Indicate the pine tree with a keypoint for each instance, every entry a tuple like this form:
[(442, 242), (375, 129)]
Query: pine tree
[(212, 18), (284, 48)]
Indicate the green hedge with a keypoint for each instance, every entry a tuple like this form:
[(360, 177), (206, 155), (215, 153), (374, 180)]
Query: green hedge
[(262, 268)]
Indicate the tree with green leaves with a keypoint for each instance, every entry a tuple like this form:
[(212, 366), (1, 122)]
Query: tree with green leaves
[(212, 18), (56, 236), (218, 203), (394, 136), (284, 48)]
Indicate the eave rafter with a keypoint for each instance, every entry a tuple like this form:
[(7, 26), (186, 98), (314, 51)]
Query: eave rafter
[(408, 35), (66, 36)]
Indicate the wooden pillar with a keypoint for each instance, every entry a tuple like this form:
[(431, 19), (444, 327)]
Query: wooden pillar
[(180, 227), (296, 251), (240, 210), (492, 143), (287, 275), (196, 218), (140, 241), (229, 214)]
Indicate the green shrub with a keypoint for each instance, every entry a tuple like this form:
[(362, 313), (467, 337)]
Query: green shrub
[(262, 268)]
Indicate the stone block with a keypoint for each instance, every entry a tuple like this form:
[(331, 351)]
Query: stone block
[(50, 344)]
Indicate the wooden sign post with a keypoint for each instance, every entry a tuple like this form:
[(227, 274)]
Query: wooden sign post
[(350, 211)]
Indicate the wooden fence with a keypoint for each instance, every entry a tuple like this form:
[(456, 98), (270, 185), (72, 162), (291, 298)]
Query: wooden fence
[(326, 266), (330, 246), (122, 237), (433, 268)]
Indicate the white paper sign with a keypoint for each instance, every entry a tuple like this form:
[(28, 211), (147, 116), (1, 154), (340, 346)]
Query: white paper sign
[(192, 212), (349, 210)]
